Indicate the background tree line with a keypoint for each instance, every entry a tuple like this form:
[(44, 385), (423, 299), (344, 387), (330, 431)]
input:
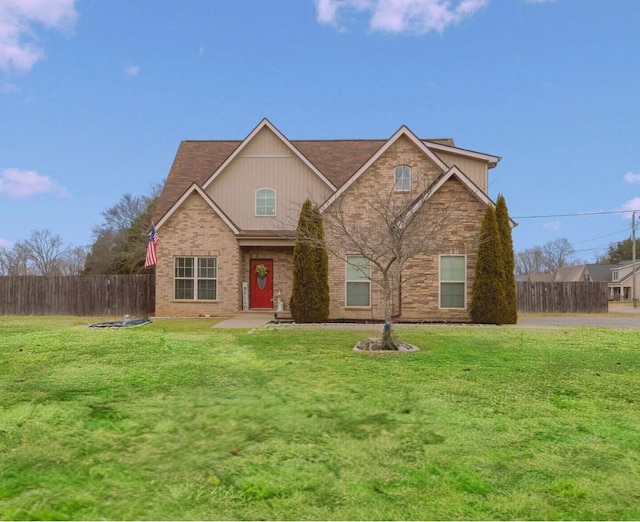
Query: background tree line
[(555, 254), (119, 244)]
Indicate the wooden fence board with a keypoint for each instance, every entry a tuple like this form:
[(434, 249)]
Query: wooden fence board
[(100, 295), (572, 297)]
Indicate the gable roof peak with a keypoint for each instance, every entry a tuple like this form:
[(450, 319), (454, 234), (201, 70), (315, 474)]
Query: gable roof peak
[(265, 123)]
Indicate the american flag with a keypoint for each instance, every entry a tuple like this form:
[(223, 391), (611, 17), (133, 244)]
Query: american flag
[(152, 256)]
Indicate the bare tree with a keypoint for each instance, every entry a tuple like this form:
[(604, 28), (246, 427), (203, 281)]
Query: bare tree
[(46, 252), (41, 254), (390, 228), (544, 259), (14, 262), (74, 260), (531, 261), (558, 253)]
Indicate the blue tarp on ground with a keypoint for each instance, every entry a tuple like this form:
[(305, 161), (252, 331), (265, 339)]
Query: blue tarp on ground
[(120, 324)]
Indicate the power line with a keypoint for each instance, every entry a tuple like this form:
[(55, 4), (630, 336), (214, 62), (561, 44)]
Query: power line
[(578, 214), (600, 237)]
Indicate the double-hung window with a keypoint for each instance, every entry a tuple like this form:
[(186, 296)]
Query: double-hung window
[(265, 202), (402, 178), (453, 281), (196, 278), (358, 277)]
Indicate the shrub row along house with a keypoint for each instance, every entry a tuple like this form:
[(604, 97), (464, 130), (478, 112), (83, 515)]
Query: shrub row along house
[(228, 212)]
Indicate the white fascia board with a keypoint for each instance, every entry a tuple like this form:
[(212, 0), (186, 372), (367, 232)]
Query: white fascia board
[(195, 188), (402, 131), (489, 158), (266, 123)]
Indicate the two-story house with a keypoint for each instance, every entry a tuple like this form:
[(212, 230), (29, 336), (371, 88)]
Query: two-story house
[(229, 209), (622, 281)]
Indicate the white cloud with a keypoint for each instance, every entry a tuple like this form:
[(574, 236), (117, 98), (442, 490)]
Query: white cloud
[(630, 206), (5, 243), (554, 226), (19, 47), (18, 183), (402, 16), (132, 70), (632, 178)]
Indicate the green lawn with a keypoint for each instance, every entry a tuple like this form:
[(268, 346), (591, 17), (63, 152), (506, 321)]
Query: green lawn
[(175, 420)]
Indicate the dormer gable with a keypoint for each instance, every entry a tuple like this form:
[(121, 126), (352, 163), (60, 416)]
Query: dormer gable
[(255, 135), (402, 132)]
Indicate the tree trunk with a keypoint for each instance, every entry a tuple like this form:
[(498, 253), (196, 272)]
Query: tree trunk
[(388, 337)]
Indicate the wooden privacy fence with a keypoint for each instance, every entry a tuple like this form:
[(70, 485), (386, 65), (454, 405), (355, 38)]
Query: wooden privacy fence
[(562, 297), (99, 295)]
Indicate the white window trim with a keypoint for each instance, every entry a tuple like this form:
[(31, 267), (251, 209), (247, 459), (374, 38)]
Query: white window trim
[(346, 280), (614, 276), (275, 202), (440, 281), (395, 178), (195, 279)]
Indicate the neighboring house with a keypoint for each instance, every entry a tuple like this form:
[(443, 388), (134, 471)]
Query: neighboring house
[(619, 277), (621, 281), (570, 274), (228, 206)]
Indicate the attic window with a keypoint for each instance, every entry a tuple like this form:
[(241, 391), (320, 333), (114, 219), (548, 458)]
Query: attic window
[(614, 276), (265, 202), (402, 178)]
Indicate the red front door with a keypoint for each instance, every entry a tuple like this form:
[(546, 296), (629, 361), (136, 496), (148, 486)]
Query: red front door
[(261, 286)]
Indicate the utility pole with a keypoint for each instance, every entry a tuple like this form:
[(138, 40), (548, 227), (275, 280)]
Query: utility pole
[(633, 254)]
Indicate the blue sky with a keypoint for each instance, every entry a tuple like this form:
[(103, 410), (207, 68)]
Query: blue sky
[(96, 95)]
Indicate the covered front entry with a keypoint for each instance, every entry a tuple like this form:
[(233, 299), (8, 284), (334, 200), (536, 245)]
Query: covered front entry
[(261, 283)]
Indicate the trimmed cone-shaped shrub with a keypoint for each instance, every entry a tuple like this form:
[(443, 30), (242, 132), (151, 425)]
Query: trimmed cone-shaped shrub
[(310, 294), (320, 310), (488, 294), (504, 230)]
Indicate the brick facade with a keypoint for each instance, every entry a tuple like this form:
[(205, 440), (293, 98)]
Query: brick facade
[(462, 216), (194, 229)]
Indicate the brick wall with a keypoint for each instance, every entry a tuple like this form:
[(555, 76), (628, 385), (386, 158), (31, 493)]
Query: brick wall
[(195, 230), (460, 216)]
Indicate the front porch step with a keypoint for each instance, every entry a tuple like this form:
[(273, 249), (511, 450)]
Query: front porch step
[(284, 316)]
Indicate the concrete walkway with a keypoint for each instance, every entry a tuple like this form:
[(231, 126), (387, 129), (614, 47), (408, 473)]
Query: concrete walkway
[(246, 320), (619, 316)]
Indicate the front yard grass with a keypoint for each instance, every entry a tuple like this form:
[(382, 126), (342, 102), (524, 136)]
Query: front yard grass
[(175, 420)]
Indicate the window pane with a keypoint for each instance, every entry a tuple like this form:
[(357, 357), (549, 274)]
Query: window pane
[(207, 267), (358, 294), (452, 295), (357, 268), (452, 268), (207, 289), (184, 288), (266, 202), (184, 267), (403, 177)]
